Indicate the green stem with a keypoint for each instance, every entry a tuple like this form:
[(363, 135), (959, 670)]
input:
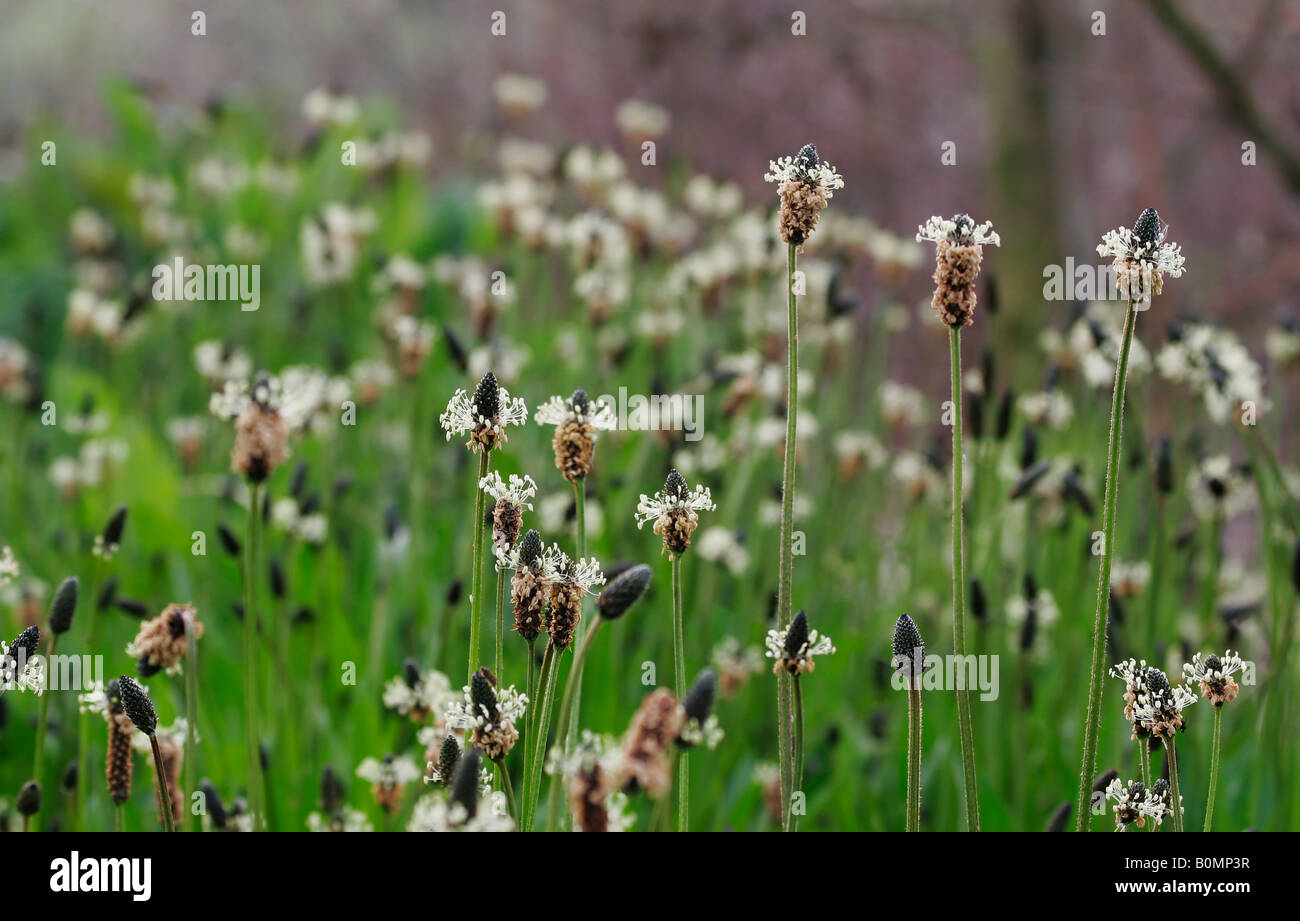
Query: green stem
[(164, 797), (679, 683), (785, 586), (550, 667), (251, 726), (1092, 721), (501, 622), (965, 723), (1144, 763), (83, 718), (798, 746), (1175, 796), (510, 790), (580, 509), (1214, 769), (42, 709), (913, 759), (562, 723), (476, 598), (191, 718)]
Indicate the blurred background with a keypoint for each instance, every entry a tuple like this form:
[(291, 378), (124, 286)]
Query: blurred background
[(1059, 132)]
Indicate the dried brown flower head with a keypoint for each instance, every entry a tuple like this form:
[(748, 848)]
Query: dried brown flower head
[(655, 726)]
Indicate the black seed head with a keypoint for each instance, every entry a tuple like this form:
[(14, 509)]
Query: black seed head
[(962, 232), (27, 641), (116, 525), (979, 604), (1165, 466), (448, 756), (276, 572), (482, 695), (137, 705), (1059, 818), (1160, 788), (699, 699), (64, 605), (530, 548), (68, 779), (1004, 416), (411, 672), (806, 160), (797, 636), (1137, 791), (1157, 681), (487, 397), (1146, 230), (1295, 568), (299, 479), (229, 542), (212, 802), (464, 783), (907, 639), (144, 668), (675, 486), (1212, 663), (29, 798), (579, 400), (623, 592), (331, 790), (1103, 780)]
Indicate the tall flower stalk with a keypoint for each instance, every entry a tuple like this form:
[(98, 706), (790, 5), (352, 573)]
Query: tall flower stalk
[(959, 250), (483, 418), (674, 513), (139, 708), (909, 657), (62, 610), (613, 603), (261, 445), (795, 650), (1141, 259), (1219, 687), (577, 420), (805, 185)]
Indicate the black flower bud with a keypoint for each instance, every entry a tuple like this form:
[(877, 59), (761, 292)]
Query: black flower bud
[(699, 699), (623, 592), (908, 643), (29, 799), (116, 525), (1146, 230), (137, 705), (464, 783), (806, 161), (675, 486), (530, 547), (212, 802), (482, 696), (797, 636), (448, 757), (331, 790), (64, 606), (487, 397), (229, 542), (579, 400)]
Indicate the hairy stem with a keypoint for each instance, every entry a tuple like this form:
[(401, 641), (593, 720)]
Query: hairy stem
[(251, 725), (965, 723), (913, 759), (785, 585), (164, 796), (1092, 721), (562, 723), (476, 582), (1214, 769)]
